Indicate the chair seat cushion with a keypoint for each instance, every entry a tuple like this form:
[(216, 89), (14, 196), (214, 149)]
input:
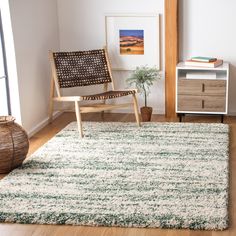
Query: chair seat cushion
[(108, 95)]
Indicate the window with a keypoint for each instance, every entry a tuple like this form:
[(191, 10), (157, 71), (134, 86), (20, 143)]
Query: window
[(4, 86)]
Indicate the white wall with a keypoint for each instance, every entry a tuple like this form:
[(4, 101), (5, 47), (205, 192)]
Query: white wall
[(35, 31), (207, 27), (82, 26)]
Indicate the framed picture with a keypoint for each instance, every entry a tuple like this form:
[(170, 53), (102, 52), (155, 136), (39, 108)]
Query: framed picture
[(132, 40)]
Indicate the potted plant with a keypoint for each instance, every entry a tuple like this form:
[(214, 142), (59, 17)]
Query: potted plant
[(142, 78)]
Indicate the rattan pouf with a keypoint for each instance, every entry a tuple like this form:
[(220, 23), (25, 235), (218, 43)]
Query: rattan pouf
[(14, 144)]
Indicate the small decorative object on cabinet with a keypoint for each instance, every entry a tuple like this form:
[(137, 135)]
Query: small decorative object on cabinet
[(201, 90), (14, 144), (142, 78)]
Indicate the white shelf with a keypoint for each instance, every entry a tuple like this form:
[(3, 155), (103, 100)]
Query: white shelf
[(217, 78), (182, 66)]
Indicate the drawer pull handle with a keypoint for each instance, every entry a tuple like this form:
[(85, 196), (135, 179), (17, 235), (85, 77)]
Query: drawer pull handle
[(203, 87), (203, 104)]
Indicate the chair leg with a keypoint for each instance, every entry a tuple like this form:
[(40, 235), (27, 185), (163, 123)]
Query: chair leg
[(103, 112), (50, 113), (78, 117), (51, 102), (105, 87), (136, 109)]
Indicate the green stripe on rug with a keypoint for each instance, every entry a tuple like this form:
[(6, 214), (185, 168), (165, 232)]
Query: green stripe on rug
[(168, 175)]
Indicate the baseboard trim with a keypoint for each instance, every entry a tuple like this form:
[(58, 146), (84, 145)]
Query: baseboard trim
[(42, 124), (232, 113)]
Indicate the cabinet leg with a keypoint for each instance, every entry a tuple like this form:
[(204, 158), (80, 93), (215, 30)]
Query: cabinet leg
[(181, 117), (222, 118)]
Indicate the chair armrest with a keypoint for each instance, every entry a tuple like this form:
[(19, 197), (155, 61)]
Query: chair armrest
[(136, 90), (68, 99)]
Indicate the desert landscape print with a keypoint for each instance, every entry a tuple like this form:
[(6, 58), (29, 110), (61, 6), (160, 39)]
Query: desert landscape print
[(131, 42)]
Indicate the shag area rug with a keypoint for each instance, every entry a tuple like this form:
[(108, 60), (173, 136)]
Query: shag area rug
[(168, 175)]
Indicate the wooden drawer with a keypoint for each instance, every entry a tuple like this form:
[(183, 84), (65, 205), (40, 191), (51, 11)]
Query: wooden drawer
[(201, 87), (201, 103)]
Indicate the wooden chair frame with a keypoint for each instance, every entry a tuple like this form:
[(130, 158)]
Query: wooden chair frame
[(99, 107)]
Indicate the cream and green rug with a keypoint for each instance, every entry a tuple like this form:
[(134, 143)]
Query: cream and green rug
[(169, 175)]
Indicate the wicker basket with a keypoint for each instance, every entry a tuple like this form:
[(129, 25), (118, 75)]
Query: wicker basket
[(14, 144)]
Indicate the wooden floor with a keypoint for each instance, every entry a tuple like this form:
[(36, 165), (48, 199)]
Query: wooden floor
[(56, 230)]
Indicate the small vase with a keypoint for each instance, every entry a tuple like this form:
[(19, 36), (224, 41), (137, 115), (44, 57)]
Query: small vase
[(14, 144), (146, 113)]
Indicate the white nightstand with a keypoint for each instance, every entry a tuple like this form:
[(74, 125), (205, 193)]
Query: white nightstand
[(201, 90)]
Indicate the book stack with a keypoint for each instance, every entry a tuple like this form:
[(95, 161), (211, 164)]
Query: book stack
[(210, 62)]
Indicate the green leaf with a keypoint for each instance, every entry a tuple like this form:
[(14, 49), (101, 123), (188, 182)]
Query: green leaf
[(143, 78)]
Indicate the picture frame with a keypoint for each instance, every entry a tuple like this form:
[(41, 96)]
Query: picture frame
[(133, 40)]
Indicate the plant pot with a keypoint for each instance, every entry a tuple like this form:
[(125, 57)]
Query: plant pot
[(146, 113), (14, 144)]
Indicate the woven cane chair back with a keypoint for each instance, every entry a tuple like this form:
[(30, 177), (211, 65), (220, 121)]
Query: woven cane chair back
[(81, 68)]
